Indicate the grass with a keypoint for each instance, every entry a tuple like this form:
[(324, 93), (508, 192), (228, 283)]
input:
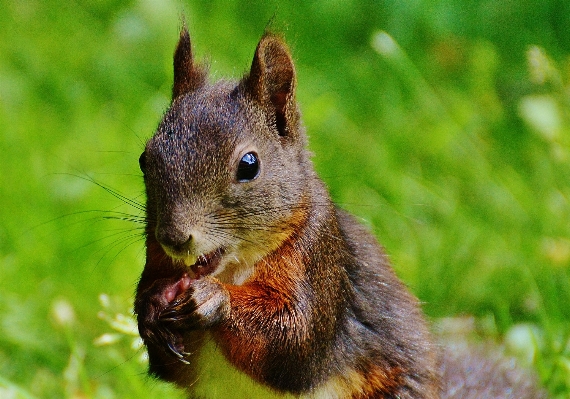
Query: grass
[(439, 124)]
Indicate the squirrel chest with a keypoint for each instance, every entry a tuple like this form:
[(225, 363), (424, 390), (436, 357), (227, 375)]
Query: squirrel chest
[(219, 379), (254, 282)]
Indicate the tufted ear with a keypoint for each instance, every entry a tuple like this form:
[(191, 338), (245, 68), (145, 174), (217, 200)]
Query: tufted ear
[(187, 76), (271, 82)]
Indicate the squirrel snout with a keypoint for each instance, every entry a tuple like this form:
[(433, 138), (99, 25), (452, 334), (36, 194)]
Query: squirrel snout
[(174, 239)]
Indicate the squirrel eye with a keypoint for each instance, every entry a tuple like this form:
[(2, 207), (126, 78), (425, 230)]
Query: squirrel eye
[(248, 167), (142, 162)]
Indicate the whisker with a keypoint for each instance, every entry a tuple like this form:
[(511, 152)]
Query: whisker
[(130, 239), (223, 234), (232, 213), (119, 233), (114, 193), (134, 219)]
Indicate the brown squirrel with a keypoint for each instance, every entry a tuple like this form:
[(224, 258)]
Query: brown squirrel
[(250, 264)]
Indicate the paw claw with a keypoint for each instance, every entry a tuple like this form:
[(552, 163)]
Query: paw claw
[(180, 355)]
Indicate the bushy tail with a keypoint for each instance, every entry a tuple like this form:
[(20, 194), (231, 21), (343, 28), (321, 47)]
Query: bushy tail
[(470, 372)]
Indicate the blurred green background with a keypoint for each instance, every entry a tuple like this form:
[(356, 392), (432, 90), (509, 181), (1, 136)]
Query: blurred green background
[(443, 124)]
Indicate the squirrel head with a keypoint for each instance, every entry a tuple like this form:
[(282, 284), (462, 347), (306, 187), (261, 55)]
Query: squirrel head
[(227, 172)]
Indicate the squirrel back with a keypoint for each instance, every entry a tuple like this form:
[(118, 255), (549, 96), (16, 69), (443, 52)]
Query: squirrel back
[(246, 249)]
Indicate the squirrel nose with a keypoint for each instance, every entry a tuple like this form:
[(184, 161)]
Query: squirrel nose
[(173, 238)]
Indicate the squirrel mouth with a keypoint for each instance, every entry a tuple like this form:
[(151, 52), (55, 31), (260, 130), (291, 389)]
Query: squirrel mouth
[(207, 263)]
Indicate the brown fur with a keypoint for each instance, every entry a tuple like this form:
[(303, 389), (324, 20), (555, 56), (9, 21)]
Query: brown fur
[(298, 296)]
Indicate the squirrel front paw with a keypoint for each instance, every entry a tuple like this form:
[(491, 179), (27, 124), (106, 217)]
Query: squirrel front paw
[(169, 307), (206, 302)]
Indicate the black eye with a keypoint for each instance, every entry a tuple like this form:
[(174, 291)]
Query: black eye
[(248, 167), (142, 162)]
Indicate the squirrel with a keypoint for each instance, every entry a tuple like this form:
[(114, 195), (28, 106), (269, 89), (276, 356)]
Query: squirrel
[(250, 264)]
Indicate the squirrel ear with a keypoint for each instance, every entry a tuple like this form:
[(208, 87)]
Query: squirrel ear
[(187, 76), (271, 81)]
